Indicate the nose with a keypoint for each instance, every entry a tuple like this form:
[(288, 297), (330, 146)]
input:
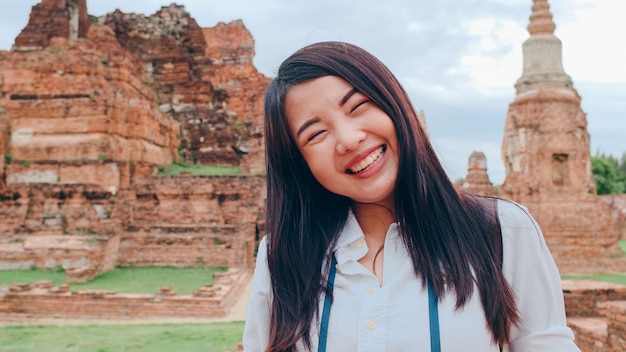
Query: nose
[(348, 137)]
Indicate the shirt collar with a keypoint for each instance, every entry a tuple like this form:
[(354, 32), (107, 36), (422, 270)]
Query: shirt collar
[(351, 245)]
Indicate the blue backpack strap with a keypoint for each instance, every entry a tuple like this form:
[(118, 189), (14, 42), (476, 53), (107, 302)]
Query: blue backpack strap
[(433, 312), (321, 347), (433, 315)]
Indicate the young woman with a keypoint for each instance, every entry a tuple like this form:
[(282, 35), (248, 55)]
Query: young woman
[(369, 245)]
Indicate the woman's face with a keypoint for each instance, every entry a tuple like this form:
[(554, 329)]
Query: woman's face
[(348, 142)]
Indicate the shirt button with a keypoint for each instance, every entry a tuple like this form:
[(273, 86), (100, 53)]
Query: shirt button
[(337, 266), (359, 244), (371, 325), (369, 290)]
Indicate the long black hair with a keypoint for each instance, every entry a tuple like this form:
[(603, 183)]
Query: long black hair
[(445, 232)]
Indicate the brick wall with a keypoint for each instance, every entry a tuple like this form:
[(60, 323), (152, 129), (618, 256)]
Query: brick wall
[(618, 206), (41, 299), (191, 220), (596, 312)]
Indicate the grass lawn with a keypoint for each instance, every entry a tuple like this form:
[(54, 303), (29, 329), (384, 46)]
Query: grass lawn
[(197, 170), (615, 278), (215, 337), (125, 279), (26, 276)]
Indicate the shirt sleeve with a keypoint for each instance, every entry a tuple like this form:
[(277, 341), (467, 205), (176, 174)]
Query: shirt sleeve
[(534, 277), (256, 329)]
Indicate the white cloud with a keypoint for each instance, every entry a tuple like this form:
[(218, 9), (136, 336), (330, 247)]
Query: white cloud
[(594, 48), (494, 62)]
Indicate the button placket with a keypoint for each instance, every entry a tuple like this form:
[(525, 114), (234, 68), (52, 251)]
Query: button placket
[(372, 331)]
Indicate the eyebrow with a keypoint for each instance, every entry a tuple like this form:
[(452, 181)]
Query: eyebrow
[(314, 120), (306, 125), (347, 96)]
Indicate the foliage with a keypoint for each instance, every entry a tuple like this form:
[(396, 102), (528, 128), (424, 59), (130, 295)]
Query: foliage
[(124, 279), (214, 337), (197, 170), (609, 173)]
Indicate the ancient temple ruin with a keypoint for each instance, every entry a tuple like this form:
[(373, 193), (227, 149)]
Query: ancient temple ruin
[(477, 180), (91, 109), (50, 19), (547, 159)]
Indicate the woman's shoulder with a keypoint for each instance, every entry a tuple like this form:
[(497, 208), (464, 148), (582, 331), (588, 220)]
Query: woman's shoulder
[(522, 238), (515, 216)]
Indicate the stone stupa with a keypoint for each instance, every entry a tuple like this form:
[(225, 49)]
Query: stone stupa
[(547, 158), (477, 180)]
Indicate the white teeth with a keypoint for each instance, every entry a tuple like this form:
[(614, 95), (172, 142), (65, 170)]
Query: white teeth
[(367, 161)]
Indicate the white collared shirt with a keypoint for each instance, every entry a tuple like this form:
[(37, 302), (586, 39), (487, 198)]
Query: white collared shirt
[(394, 316)]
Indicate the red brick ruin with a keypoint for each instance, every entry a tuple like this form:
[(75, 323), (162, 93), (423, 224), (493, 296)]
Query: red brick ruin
[(547, 159), (548, 169), (477, 179), (91, 108)]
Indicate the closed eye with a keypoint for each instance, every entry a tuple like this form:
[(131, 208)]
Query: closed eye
[(315, 135), (358, 105)]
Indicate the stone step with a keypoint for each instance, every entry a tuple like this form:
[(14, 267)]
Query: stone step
[(582, 297), (591, 333)]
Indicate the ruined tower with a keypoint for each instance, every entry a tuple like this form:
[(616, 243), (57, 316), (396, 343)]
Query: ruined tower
[(53, 18), (477, 180), (546, 153)]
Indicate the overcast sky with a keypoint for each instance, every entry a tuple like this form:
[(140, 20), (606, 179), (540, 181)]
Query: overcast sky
[(458, 59)]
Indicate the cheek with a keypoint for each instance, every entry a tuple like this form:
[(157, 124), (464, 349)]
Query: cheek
[(317, 162), (390, 131), (321, 164)]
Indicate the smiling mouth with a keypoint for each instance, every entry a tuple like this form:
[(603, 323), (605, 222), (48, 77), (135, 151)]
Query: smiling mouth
[(367, 161)]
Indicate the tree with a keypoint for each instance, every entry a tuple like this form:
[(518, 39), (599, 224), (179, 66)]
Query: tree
[(609, 173)]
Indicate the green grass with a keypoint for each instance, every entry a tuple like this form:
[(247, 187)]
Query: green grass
[(197, 170), (27, 276), (150, 279), (615, 278), (215, 337), (125, 279)]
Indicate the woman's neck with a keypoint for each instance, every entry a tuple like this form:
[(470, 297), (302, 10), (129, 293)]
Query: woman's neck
[(374, 219)]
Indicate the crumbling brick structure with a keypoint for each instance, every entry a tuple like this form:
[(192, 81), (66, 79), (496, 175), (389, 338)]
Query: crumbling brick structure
[(205, 79), (88, 114), (53, 18), (595, 312), (477, 179), (42, 299), (546, 155)]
